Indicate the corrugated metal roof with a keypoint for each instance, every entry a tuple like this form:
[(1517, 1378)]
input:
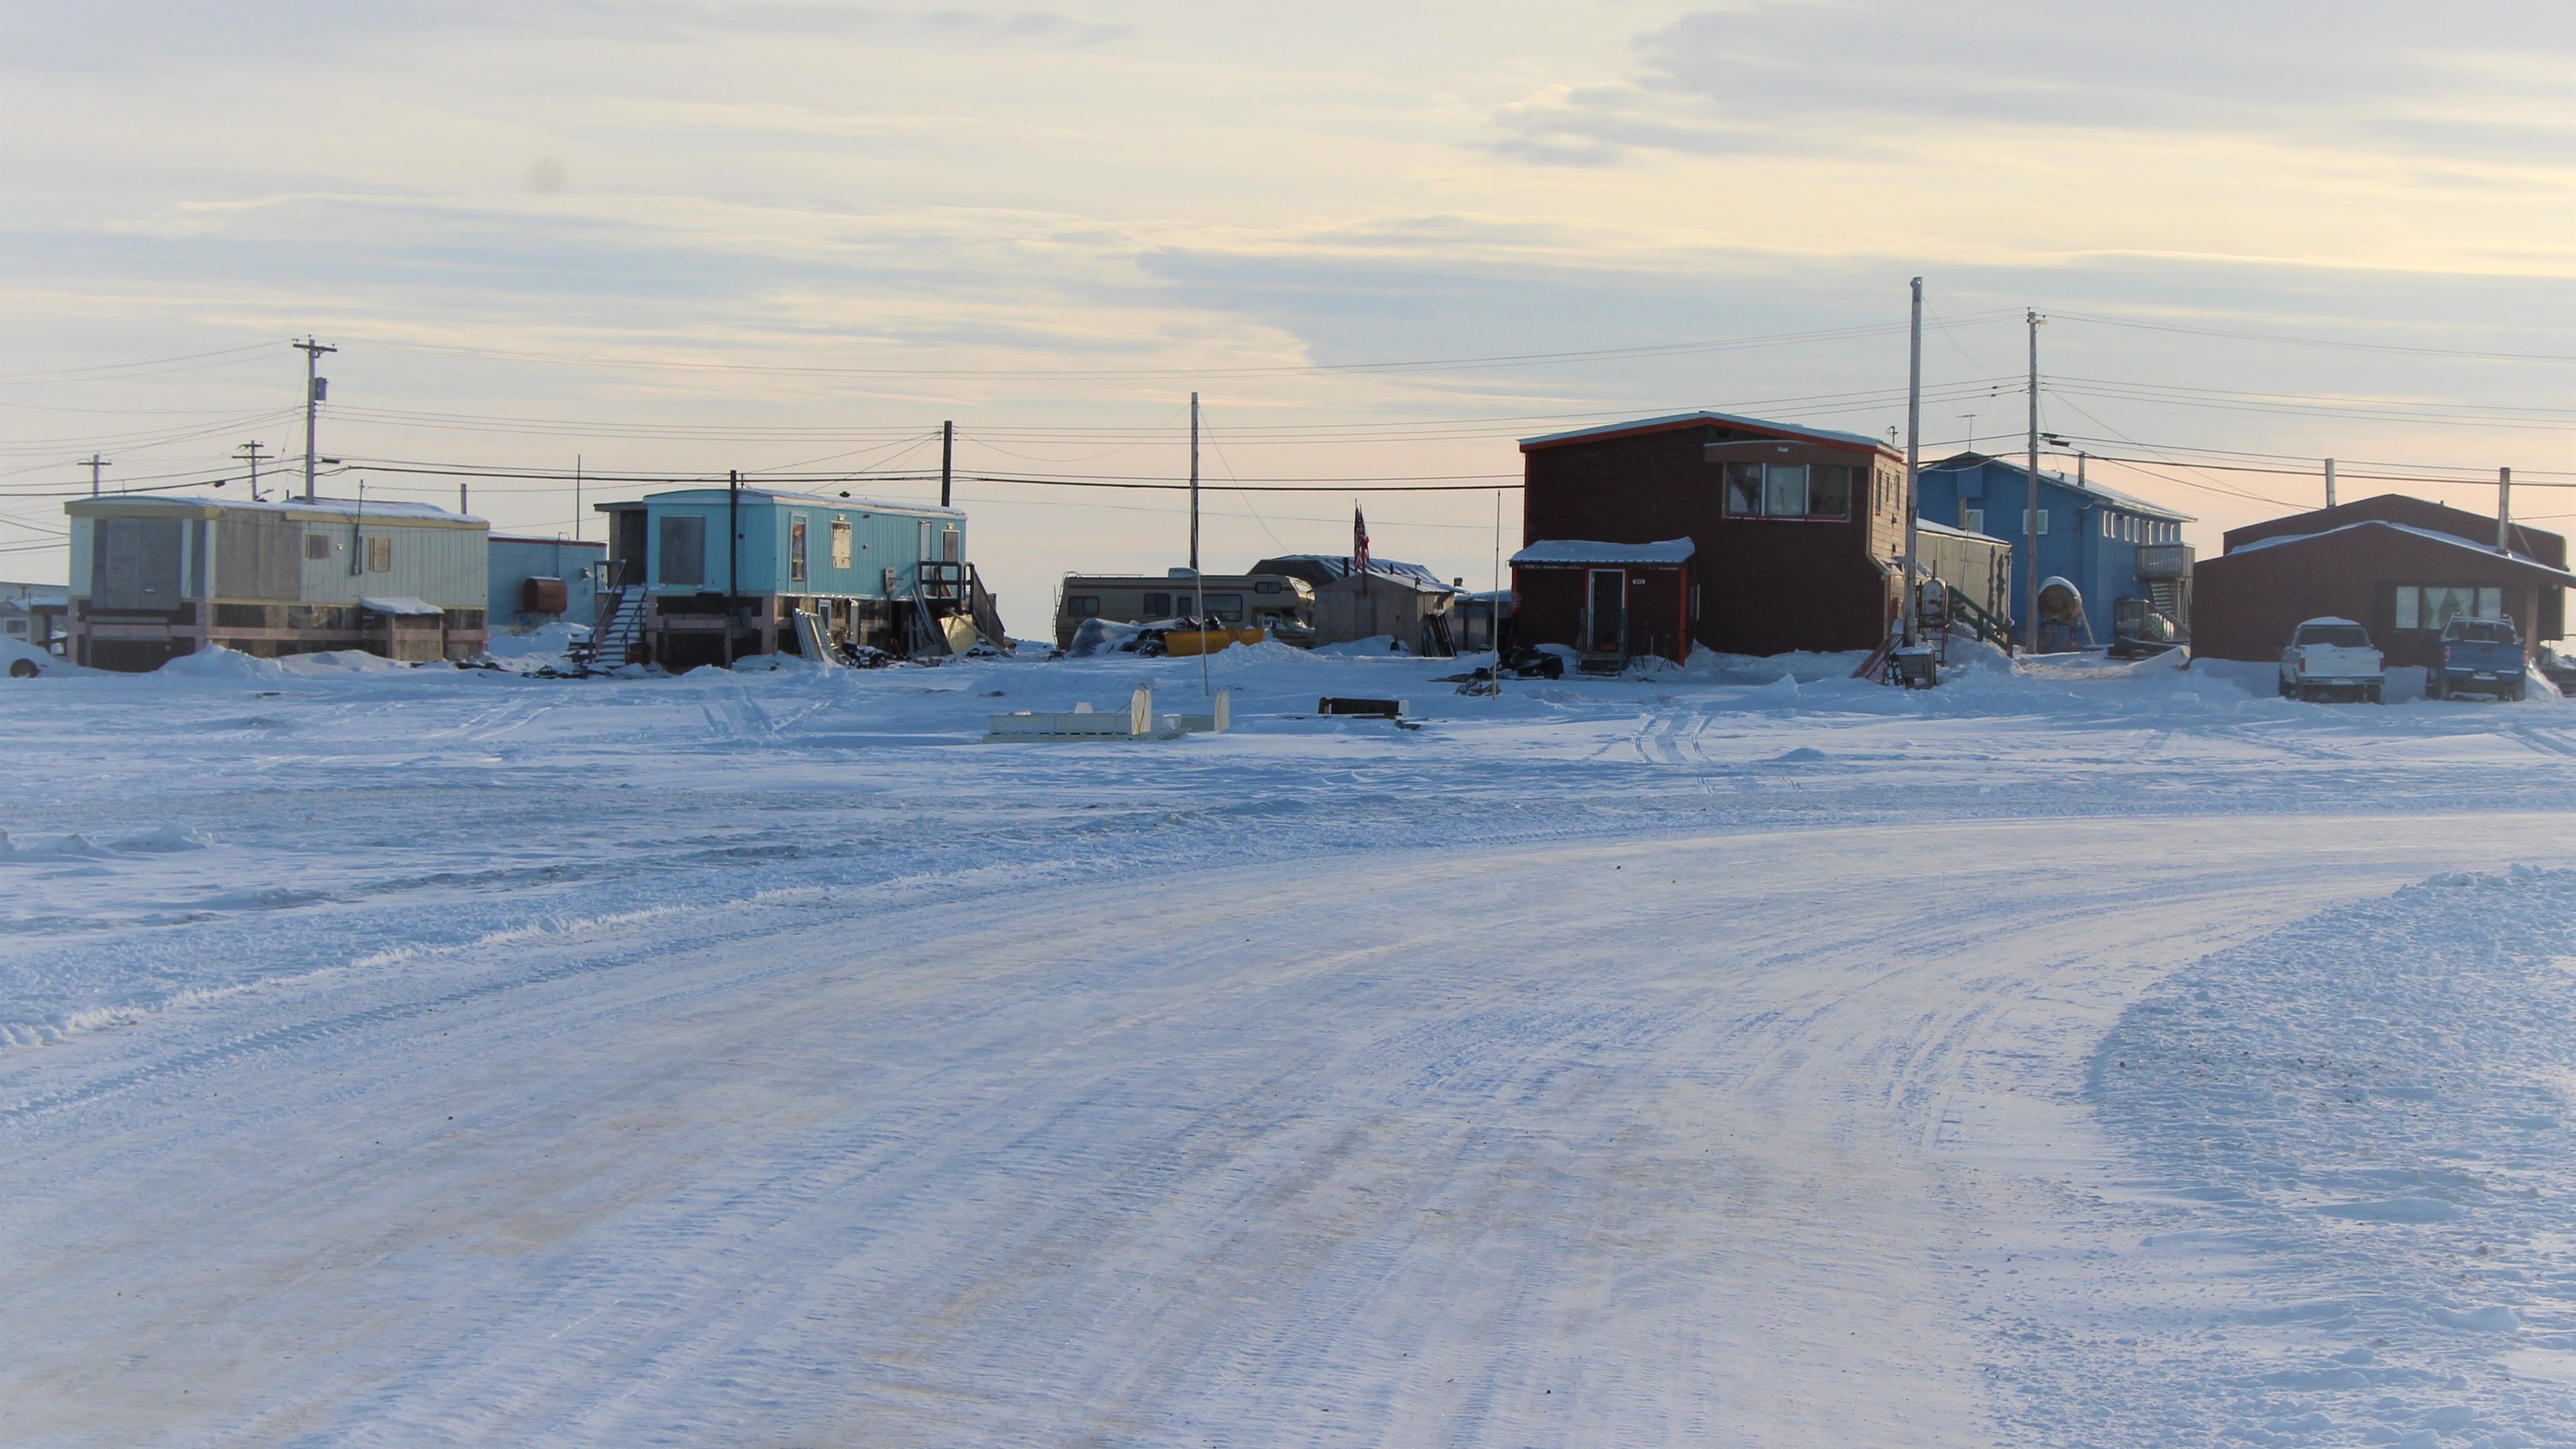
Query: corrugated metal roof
[(2283, 540), (772, 495), (373, 509), (1703, 418), (1586, 551)]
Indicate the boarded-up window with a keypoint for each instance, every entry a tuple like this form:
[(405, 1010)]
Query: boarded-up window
[(840, 545), (684, 549), (134, 563), (259, 556), (317, 545), (380, 554)]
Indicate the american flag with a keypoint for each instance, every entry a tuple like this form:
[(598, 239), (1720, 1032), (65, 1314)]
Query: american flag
[(1359, 541)]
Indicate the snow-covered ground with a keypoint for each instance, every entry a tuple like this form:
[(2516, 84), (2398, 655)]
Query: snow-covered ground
[(2074, 1055)]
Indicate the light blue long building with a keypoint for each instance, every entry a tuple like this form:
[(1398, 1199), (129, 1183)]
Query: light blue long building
[(2110, 545), (722, 572)]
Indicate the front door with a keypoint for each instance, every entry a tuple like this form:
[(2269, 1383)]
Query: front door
[(1606, 621)]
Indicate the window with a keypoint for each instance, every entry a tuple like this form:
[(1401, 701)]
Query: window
[(1083, 606), (1228, 607), (840, 544), (317, 545), (380, 554), (1744, 489), (1829, 491), (684, 549), (2025, 522), (926, 541), (2106, 525), (1784, 490), (1158, 606), (2430, 606), (1972, 518), (1789, 490), (1269, 586), (952, 545), (796, 551)]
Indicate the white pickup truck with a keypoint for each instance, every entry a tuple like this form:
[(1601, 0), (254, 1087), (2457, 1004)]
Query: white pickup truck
[(2331, 659)]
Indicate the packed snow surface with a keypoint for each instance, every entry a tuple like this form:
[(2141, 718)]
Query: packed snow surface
[(1740, 1054)]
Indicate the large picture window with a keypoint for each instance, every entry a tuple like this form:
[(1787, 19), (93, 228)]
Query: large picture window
[(684, 549), (2430, 606), (1789, 490)]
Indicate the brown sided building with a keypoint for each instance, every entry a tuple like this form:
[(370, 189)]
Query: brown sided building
[(2399, 566), (1796, 534)]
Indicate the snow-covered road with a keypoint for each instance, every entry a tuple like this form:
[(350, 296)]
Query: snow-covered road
[(1736, 1122)]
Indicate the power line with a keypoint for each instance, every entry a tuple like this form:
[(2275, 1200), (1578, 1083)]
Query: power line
[(2102, 321), (1521, 359)]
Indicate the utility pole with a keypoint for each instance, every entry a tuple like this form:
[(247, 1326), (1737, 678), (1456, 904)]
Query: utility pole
[(2031, 521), (1913, 459), (947, 458), (2504, 510), (250, 452), (93, 464), (576, 497), (733, 557), (2330, 498), (1198, 582), (463, 506), (313, 390)]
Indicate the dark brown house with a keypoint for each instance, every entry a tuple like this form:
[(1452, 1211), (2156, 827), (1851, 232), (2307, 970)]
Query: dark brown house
[(1797, 533), (2400, 566)]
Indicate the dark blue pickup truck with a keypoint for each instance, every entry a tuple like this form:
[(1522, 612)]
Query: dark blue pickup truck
[(2479, 656)]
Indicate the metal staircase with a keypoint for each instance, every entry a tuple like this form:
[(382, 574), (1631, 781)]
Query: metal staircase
[(613, 639)]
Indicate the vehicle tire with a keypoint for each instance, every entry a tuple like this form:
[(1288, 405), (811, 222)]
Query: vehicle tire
[(2285, 689), (2370, 695), (2434, 688), (22, 669)]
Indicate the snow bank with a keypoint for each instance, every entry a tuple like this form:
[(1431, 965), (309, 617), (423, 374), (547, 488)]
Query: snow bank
[(551, 640), (222, 665), (2367, 1117)]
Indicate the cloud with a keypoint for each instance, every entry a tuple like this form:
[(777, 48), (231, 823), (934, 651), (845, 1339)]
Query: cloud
[(118, 33), (1851, 76)]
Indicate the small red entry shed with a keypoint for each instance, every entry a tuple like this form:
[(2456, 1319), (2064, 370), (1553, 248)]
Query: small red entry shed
[(1605, 600)]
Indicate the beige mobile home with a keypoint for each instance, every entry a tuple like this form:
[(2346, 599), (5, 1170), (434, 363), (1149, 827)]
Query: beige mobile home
[(155, 578), (1285, 606)]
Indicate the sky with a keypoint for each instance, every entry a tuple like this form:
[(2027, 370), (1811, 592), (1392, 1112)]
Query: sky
[(1382, 242)]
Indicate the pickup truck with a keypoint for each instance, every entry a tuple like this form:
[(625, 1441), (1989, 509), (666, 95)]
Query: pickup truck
[(2479, 656), (2331, 658)]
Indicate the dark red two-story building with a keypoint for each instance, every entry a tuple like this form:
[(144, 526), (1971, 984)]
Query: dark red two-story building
[(1796, 534)]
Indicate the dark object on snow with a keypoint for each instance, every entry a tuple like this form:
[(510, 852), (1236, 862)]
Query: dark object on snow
[(1535, 664), (22, 669), (1368, 708), (862, 656), (2559, 670), (541, 595)]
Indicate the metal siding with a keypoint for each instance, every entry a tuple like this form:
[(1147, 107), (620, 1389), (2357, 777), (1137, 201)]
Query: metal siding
[(515, 561), (437, 564), (260, 556), (138, 563), (82, 531)]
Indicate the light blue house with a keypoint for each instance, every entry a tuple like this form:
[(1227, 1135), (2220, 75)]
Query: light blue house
[(720, 573), (538, 580), (2110, 545)]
